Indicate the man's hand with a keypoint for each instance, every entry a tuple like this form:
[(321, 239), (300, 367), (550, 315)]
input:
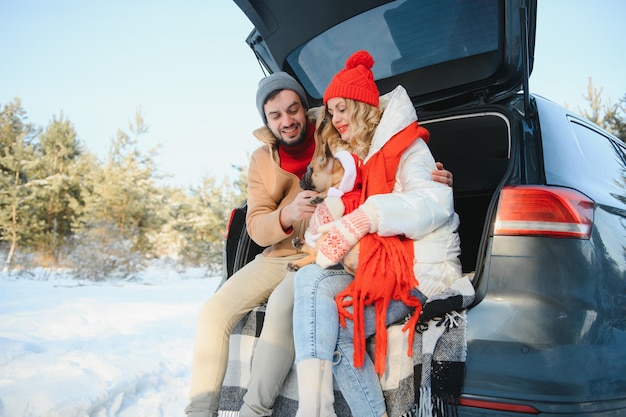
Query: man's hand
[(298, 209), (442, 175)]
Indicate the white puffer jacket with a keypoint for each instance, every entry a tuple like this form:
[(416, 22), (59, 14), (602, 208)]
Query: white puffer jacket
[(418, 207)]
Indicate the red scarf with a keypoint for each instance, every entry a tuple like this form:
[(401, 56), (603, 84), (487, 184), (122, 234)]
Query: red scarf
[(385, 270), (295, 159)]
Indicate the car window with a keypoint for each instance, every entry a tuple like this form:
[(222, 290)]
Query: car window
[(606, 159), (402, 36)]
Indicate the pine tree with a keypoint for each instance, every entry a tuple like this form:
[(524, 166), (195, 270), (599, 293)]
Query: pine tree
[(57, 186), (122, 196), (610, 117), (17, 155), (616, 119)]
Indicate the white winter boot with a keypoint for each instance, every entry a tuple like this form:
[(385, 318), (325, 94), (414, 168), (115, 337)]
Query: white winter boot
[(315, 388)]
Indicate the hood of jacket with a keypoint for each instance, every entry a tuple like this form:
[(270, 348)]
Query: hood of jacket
[(398, 112)]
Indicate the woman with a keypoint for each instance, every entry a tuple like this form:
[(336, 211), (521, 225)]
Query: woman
[(404, 216)]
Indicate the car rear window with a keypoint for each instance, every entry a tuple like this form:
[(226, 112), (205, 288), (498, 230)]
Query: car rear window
[(605, 159), (402, 36)]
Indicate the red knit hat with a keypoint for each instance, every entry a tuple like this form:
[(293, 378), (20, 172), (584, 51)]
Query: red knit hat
[(355, 81)]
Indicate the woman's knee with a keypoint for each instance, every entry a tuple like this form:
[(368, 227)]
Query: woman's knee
[(307, 278)]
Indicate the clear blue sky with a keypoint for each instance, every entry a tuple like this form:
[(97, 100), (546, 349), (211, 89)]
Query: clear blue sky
[(186, 66)]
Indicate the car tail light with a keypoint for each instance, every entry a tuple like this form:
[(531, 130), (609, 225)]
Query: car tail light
[(531, 210), (230, 222), (500, 406)]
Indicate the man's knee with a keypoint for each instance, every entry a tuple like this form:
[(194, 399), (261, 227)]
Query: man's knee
[(279, 307), (214, 313)]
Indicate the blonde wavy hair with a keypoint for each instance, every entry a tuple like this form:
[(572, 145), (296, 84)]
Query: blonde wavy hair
[(364, 119)]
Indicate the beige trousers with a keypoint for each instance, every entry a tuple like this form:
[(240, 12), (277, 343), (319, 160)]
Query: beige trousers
[(249, 287), (274, 353)]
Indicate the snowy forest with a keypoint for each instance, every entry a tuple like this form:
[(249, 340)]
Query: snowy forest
[(61, 207)]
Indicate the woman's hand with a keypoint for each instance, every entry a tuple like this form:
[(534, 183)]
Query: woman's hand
[(341, 235), (327, 211)]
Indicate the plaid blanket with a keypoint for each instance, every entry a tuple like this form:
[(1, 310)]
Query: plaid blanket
[(404, 379)]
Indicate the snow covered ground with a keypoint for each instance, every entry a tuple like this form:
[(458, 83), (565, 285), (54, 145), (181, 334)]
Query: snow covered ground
[(71, 348)]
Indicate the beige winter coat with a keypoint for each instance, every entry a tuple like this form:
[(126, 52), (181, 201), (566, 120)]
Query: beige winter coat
[(270, 188)]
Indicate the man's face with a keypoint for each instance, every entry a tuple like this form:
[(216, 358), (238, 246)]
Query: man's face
[(286, 118)]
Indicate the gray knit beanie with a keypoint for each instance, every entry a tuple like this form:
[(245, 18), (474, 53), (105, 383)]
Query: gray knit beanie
[(278, 81)]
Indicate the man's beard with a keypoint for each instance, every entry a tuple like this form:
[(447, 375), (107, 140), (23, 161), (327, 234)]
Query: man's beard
[(298, 141)]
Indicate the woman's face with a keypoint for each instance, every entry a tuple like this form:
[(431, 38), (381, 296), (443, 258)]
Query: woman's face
[(338, 109)]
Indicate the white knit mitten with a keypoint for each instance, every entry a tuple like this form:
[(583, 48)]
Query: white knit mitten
[(326, 212), (342, 235)]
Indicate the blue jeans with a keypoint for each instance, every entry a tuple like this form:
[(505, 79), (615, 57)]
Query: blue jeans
[(317, 334)]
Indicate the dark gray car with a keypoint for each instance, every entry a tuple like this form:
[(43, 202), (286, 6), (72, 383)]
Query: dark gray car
[(540, 191)]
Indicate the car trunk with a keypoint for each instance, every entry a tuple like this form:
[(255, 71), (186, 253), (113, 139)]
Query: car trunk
[(420, 45), (475, 147)]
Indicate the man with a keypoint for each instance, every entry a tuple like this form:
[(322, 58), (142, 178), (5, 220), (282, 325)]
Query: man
[(278, 210)]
